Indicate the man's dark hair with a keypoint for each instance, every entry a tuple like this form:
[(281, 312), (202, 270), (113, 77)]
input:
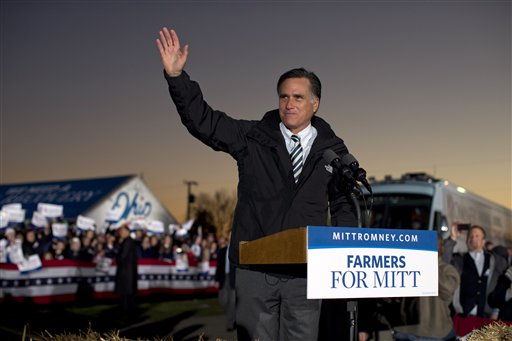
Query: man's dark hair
[(479, 228), (316, 86)]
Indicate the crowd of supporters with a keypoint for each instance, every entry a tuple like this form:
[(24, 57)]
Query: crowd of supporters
[(183, 248), (92, 246)]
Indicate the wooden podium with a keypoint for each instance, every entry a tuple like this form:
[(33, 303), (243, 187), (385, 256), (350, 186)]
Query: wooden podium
[(285, 247)]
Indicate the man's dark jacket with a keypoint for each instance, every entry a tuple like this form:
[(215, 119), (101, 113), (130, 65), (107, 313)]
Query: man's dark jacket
[(473, 287), (269, 200), (497, 298), (126, 273)]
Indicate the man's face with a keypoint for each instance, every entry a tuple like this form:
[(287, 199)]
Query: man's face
[(30, 236), (296, 103), (123, 232), (476, 240), (75, 246)]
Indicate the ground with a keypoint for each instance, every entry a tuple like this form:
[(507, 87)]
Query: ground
[(188, 318)]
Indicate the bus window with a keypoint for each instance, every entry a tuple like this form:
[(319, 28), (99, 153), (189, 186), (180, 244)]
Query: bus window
[(400, 211)]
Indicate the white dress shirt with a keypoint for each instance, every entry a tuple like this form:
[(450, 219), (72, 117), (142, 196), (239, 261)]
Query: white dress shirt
[(307, 137)]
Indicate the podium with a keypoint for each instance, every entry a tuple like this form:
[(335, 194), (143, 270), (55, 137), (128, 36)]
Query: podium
[(351, 263), (285, 247), (290, 247)]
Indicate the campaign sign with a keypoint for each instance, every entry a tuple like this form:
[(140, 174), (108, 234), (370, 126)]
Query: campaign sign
[(50, 210), (347, 262)]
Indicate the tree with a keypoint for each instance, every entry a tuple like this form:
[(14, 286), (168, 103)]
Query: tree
[(216, 212)]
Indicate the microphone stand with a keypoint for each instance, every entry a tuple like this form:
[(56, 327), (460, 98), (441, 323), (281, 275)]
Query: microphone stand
[(352, 305)]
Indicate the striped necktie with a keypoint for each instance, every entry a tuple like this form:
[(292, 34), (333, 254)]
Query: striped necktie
[(297, 157)]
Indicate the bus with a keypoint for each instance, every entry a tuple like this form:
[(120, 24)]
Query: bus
[(420, 201)]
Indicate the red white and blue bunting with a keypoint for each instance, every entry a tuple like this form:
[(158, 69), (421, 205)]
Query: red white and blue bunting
[(61, 280)]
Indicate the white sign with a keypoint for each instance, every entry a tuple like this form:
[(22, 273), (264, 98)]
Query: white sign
[(15, 252), (111, 216), (32, 263), (85, 223), (16, 213), (173, 227), (50, 210), (60, 230), (38, 220), (363, 262), (4, 219), (16, 216), (155, 227), (188, 224), (137, 224), (13, 206)]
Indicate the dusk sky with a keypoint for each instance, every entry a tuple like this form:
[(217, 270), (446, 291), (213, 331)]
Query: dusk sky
[(411, 86)]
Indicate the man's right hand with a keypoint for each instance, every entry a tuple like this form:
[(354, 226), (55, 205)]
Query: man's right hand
[(454, 231), (173, 58)]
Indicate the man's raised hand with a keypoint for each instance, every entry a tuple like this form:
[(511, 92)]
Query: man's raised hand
[(173, 58)]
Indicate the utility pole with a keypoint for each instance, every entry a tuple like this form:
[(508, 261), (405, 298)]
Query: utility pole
[(190, 197)]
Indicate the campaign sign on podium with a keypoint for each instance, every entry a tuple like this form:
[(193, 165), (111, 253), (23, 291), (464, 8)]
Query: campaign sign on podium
[(370, 262)]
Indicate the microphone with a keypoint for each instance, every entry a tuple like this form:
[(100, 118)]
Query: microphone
[(334, 160), (359, 173)]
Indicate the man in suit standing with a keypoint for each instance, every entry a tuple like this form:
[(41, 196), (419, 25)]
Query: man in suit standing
[(284, 182), (126, 271), (479, 271)]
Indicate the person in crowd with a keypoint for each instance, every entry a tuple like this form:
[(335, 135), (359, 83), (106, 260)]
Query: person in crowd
[(91, 234), (205, 251), (31, 245), (166, 250), (212, 245), (45, 238), (146, 251), (196, 247), (154, 242), (283, 184), (87, 250), (204, 258), (8, 245), (3, 245), (185, 247), (368, 318), (479, 271), (19, 236), (435, 321), (210, 238), (456, 243), (184, 257), (225, 282), (59, 249), (47, 255), (74, 251), (501, 297), (14, 249), (110, 245), (139, 236), (501, 254), (99, 253), (489, 245), (126, 271)]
